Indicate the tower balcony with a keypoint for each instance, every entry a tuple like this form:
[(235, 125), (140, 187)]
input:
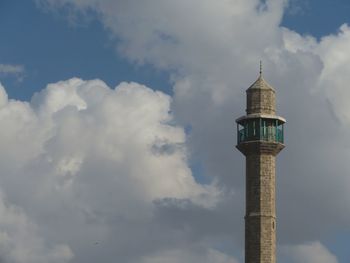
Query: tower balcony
[(260, 127)]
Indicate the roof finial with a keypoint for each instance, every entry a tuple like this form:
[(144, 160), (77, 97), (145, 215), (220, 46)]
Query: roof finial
[(260, 72)]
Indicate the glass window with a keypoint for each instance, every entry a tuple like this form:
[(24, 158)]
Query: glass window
[(260, 129)]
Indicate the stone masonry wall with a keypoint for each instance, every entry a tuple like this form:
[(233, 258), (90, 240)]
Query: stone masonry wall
[(261, 101), (260, 225)]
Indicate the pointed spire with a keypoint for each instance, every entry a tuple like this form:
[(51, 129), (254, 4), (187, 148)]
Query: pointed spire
[(260, 83)]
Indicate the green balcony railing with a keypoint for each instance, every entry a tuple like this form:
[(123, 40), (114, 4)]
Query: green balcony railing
[(273, 134)]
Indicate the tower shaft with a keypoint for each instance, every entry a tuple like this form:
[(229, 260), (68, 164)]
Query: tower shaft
[(260, 218), (260, 139)]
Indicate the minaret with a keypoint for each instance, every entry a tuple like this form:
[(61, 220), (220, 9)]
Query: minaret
[(260, 139)]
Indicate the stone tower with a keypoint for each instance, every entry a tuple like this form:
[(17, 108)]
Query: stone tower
[(260, 139)]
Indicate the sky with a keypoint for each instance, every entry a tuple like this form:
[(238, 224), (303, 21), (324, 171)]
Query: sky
[(117, 128)]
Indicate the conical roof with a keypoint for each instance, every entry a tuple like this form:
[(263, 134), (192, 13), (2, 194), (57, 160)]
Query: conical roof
[(261, 84)]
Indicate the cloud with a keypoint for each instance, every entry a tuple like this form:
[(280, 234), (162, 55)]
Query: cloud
[(86, 164), (297, 7), (20, 241), (11, 69), (313, 252), (15, 70), (212, 54), (179, 256)]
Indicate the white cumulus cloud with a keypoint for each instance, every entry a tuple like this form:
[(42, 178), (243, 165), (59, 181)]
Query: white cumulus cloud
[(88, 164)]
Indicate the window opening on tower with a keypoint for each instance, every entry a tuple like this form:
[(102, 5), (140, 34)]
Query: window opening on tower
[(260, 129)]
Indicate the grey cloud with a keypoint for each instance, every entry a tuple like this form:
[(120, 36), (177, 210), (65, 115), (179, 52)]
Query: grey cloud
[(312, 252)]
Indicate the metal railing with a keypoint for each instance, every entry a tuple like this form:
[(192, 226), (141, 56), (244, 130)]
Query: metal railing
[(269, 135)]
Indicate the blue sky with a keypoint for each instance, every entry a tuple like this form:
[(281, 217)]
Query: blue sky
[(48, 48), (317, 18)]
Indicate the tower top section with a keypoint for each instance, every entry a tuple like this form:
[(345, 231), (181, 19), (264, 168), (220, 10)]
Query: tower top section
[(261, 84), (261, 98), (260, 130)]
